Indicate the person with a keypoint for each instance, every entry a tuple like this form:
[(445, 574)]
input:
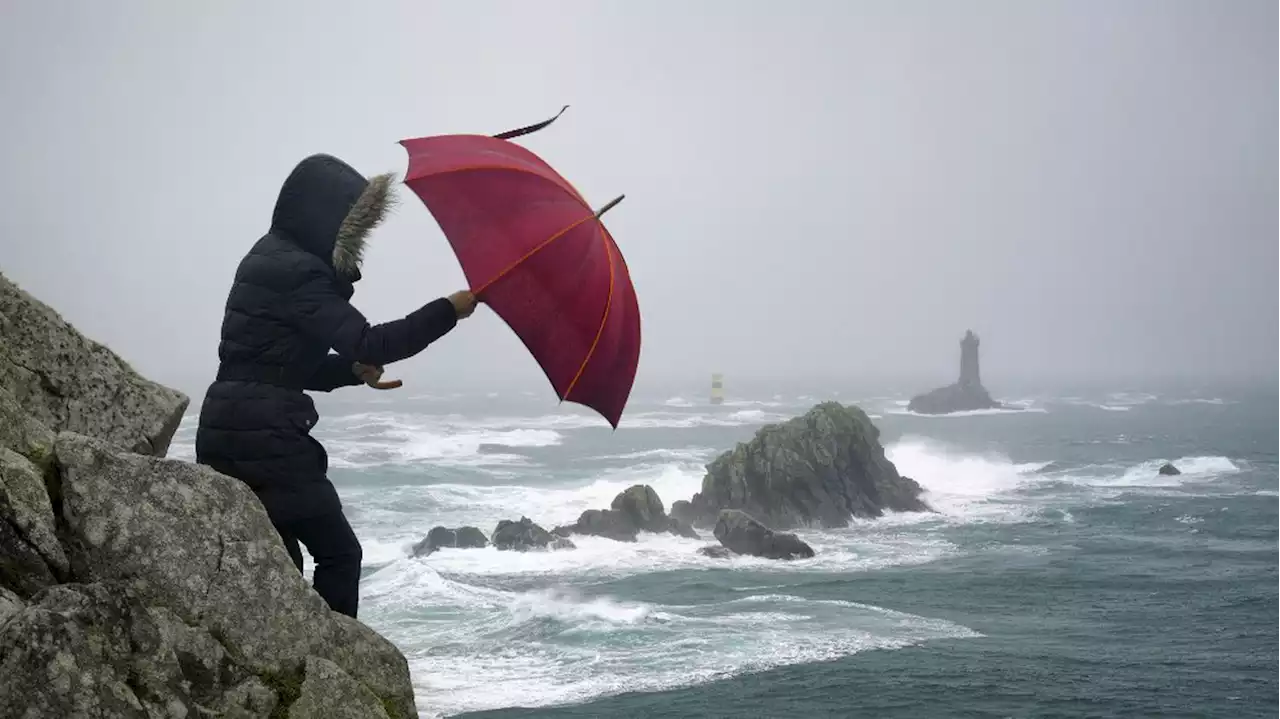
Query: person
[(288, 328)]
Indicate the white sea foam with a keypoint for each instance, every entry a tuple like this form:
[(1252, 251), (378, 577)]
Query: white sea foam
[(475, 647), (963, 485)]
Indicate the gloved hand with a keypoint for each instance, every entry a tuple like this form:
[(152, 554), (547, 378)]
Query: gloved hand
[(464, 303), (372, 376)]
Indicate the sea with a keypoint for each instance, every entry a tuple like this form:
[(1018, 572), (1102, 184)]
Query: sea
[(1061, 575)]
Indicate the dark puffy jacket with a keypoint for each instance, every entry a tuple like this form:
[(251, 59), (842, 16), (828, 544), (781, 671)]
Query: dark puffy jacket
[(288, 307)]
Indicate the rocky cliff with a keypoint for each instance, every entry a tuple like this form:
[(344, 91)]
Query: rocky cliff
[(135, 586), (819, 469), (966, 395)]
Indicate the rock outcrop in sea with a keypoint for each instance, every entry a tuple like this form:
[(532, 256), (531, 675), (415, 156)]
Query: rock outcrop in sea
[(966, 395), (636, 509), (520, 536), (820, 469), (135, 586), (441, 537), (741, 533), (1168, 470)]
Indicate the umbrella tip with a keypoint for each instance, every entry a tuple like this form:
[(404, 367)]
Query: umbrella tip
[(612, 203), (528, 129)]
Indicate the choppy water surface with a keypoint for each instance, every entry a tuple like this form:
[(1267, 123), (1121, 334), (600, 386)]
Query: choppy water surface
[(1062, 575)]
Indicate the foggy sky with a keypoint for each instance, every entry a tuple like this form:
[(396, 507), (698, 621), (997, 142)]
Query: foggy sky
[(813, 189)]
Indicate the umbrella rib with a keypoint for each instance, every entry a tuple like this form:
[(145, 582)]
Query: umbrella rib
[(608, 304), (533, 252)]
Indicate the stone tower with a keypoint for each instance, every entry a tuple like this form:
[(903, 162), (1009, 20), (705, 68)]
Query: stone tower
[(969, 374)]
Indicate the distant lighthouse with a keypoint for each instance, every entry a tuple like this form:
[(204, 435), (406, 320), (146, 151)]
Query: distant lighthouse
[(717, 388), (970, 376)]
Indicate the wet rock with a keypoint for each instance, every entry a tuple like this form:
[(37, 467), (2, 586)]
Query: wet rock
[(1169, 470), (560, 543), (636, 509), (682, 510), (682, 528), (641, 506), (819, 469), (715, 551), (608, 523), (441, 537), (520, 536), (743, 534)]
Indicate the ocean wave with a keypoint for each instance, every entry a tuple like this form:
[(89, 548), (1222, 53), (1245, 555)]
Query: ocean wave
[(685, 454), (963, 485), (475, 648), (1011, 409), (365, 445), (1215, 401)]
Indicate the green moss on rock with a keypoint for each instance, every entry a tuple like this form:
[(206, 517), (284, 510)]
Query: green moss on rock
[(287, 686)]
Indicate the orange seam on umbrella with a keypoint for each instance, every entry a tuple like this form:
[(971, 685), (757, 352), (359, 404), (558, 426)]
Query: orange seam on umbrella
[(531, 253), (608, 304)]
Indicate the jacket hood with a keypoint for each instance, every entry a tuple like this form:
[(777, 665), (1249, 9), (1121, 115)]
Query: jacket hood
[(328, 209)]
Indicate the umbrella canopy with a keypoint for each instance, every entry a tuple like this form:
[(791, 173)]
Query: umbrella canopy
[(535, 251)]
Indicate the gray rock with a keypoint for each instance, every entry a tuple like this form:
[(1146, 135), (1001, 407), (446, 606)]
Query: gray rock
[(682, 528), (636, 509), (10, 604), (966, 395), (642, 506), (743, 534), (32, 558), (560, 543), (199, 543), (682, 510), (330, 693), (822, 469), (172, 662), (607, 523), (441, 537), (715, 551), (21, 433), (520, 536), (1169, 470), (67, 655), (93, 650), (250, 699), (68, 382)]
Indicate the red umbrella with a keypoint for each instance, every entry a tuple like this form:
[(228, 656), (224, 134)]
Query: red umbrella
[(533, 250)]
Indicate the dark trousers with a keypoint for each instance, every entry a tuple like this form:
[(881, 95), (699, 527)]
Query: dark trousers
[(336, 551)]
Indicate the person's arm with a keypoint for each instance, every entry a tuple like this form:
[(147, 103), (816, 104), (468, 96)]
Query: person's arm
[(336, 371), (318, 311)]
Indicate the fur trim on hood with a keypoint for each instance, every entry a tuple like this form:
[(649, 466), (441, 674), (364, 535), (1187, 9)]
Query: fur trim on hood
[(369, 210)]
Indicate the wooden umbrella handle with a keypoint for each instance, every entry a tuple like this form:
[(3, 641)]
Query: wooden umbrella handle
[(389, 384)]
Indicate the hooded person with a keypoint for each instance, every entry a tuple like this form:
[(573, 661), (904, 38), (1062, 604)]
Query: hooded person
[(288, 328)]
